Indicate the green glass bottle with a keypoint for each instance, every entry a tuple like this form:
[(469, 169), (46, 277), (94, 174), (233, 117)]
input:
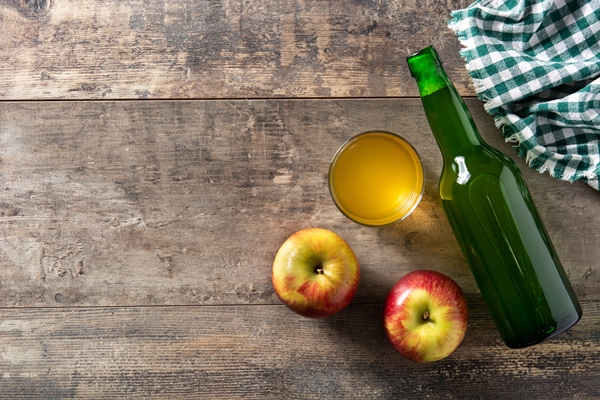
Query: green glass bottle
[(494, 219)]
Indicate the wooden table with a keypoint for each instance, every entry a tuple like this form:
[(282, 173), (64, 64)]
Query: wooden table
[(156, 153)]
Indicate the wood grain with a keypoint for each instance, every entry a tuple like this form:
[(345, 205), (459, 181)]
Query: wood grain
[(268, 352), (186, 202), (113, 49), (143, 198)]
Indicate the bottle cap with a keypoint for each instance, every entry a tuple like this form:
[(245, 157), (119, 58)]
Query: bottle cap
[(428, 57), (426, 67)]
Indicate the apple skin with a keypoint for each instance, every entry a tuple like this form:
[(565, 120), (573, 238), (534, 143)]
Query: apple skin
[(315, 273), (425, 316)]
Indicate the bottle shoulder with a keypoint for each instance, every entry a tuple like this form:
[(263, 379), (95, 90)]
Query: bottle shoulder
[(480, 157), (459, 172)]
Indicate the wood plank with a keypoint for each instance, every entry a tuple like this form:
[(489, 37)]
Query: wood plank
[(186, 202), (111, 49), (268, 352)]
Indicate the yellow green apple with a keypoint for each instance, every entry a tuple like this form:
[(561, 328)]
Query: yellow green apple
[(425, 316), (315, 273)]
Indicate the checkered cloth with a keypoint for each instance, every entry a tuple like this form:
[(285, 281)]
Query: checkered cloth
[(536, 65)]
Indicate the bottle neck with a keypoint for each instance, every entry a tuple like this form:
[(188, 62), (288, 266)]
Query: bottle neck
[(448, 115), (426, 67)]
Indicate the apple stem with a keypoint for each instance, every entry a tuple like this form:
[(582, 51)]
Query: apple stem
[(319, 270), (426, 316)]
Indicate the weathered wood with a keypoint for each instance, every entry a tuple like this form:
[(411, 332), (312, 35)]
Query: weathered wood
[(136, 237), (155, 203), (268, 352), (112, 49)]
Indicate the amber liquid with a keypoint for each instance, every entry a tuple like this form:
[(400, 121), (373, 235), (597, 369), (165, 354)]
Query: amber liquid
[(376, 178)]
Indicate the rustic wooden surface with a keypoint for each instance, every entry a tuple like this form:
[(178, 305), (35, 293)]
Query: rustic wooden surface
[(116, 49), (137, 235)]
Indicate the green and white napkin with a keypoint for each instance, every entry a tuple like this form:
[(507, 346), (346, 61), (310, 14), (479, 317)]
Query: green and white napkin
[(536, 65)]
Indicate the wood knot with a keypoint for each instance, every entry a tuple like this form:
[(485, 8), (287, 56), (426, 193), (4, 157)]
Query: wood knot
[(31, 8), (413, 241)]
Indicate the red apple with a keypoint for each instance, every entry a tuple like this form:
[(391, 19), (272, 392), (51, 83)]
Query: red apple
[(315, 273), (425, 316)]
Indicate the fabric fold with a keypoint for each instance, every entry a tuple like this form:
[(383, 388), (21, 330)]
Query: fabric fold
[(536, 67)]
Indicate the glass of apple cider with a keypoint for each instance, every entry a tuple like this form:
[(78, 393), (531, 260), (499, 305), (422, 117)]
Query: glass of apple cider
[(376, 178)]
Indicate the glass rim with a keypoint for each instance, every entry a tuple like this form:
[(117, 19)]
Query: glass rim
[(341, 149)]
